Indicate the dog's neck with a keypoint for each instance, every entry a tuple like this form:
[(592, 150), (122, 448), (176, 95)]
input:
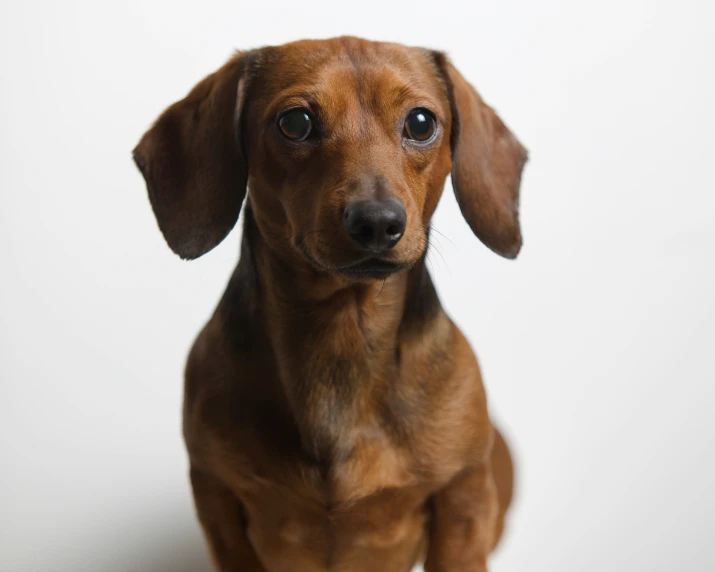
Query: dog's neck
[(334, 344)]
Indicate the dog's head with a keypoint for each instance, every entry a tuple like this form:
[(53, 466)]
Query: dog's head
[(344, 146)]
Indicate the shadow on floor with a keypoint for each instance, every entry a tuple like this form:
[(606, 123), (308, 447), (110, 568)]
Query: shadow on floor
[(177, 550)]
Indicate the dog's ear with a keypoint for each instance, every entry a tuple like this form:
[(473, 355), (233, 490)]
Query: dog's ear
[(194, 164), (487, 161)]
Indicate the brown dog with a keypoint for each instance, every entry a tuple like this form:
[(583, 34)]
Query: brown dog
[(335, 417)]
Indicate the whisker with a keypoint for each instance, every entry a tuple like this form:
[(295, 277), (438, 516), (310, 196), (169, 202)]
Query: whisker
[(434, 228), (432, 247), (429, 263), (435, 246)]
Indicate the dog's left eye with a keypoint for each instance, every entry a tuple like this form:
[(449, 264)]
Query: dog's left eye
[(296, 124), (420, 125)]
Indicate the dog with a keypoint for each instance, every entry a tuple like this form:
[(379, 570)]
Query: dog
[(334, 416)]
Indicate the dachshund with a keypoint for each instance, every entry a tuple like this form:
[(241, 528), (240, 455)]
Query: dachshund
[(334, 416)]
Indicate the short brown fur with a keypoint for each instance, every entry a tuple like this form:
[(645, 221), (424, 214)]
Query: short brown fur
[(335, 421)]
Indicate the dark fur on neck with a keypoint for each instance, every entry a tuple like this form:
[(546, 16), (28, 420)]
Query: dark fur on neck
[(332, 356)]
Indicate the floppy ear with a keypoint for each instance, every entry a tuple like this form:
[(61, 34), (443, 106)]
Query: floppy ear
[(194, 165), (487, 161)]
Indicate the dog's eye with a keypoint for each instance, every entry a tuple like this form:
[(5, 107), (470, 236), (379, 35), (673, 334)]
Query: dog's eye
[(420, 125), (296, 124)]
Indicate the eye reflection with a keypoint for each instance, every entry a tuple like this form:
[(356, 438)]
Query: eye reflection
[(420, 125), (296, 124)]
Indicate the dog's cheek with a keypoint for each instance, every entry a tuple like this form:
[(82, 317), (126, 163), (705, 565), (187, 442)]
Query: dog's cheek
[(413, 244), (267, 174), (434, 184), (433, 195)]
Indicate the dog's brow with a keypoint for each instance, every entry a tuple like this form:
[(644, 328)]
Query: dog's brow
[(413, 92), (405, 91), (309, 99)]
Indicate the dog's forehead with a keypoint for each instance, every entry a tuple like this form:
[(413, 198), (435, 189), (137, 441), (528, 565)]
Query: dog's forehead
[(379, 72), (312, 54)]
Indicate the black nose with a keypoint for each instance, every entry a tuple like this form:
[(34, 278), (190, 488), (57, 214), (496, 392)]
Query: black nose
[(375, 225)]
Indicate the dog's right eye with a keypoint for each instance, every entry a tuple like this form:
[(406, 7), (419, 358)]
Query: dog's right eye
[(296, 124)]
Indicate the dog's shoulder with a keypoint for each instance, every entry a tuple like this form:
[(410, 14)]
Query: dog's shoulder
[(443, 404), (229, 394)]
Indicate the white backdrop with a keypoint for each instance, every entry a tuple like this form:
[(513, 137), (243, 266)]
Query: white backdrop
[(597, 344)]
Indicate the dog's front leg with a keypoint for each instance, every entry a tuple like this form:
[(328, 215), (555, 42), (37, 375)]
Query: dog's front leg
[(463, 527), (224, 525)]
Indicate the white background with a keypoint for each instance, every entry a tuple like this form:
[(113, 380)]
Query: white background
[(597, 344)]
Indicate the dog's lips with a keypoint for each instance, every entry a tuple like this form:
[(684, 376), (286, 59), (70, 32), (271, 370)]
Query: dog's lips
[(373, 268)]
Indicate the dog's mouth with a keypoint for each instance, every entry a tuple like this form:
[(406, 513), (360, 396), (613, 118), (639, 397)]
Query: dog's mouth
[(371, 268)]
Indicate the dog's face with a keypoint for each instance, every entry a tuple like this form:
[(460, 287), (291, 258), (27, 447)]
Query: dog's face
[(344, 146), (348, 143)]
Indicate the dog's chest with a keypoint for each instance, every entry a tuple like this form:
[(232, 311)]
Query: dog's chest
[(334, 380), (305, 515), (364, 462), (360, 461)]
